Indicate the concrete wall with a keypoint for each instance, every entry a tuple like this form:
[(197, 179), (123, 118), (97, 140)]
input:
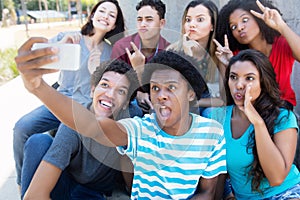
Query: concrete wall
[(289, 8), (173, 16)]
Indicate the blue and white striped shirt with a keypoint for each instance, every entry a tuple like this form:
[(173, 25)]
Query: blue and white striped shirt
[(169, 167)]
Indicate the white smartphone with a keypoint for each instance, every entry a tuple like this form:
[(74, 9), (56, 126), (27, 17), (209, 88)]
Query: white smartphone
[(69, 56)]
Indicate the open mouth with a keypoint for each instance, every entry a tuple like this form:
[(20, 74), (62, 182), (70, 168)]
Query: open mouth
[(103, 22), (106, 104), (165, 112)]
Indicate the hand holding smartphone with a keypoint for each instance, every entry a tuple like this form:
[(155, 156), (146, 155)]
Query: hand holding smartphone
[(69, 56)]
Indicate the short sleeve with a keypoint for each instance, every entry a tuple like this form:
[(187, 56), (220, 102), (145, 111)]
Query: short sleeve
[(217, 161), (285, 120), (64, 145), (132, 127)]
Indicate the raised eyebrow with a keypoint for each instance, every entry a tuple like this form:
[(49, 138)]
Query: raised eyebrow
[(242, 15), (104, 79), (251, 74), (166, 82), (200, 15)]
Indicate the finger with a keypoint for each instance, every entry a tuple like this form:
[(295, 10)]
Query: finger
[(34, 54), (37, 63), (149, 103), (78, 38), (72, 39), (217, 43), (256, 14), (271, 14), (134, 47), (226, 43), (28, 44), (144, 106), (186, 36), (218, 53), (260, 5), (267, 13), (248, 96), (128, 52)]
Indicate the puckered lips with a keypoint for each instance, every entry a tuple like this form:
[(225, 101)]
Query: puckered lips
[(239, 96), (242, 34), (143, 30), (192, 31)]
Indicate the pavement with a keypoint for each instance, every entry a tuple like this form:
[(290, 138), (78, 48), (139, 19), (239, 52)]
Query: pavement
[(15, 101)]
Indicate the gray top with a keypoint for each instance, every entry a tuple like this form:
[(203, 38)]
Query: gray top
[(85, 160)]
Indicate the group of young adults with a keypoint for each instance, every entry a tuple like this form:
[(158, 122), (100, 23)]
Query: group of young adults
[(207, 117)]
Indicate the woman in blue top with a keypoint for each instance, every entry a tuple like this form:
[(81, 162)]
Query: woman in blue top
[(260, 133)]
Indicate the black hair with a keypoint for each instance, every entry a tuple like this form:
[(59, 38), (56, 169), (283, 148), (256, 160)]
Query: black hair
[(223, 25), (120, 67), (180, 62), (113, 35), (158, 5), (268, 103)]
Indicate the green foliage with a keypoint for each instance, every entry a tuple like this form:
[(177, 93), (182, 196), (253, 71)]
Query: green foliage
[(34, 5), (8, 68), (10, 5)]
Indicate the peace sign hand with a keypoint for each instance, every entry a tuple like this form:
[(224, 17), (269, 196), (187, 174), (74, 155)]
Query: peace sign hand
[(223, 53), (136, 58), (270, 16)]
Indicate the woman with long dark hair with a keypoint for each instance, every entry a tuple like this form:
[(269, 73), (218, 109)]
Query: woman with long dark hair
[(258, 25), (260, 132)]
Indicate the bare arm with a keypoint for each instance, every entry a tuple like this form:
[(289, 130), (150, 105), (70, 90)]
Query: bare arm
[(104, 130), (275, 156), (220, 186), (208, 188), (43, 182), (274, 20)]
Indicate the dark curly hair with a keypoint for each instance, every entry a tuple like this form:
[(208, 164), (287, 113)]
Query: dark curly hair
[(120, 67), (268, 103), (223, 25), (180, 62), (158, 5), (113, 35)]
